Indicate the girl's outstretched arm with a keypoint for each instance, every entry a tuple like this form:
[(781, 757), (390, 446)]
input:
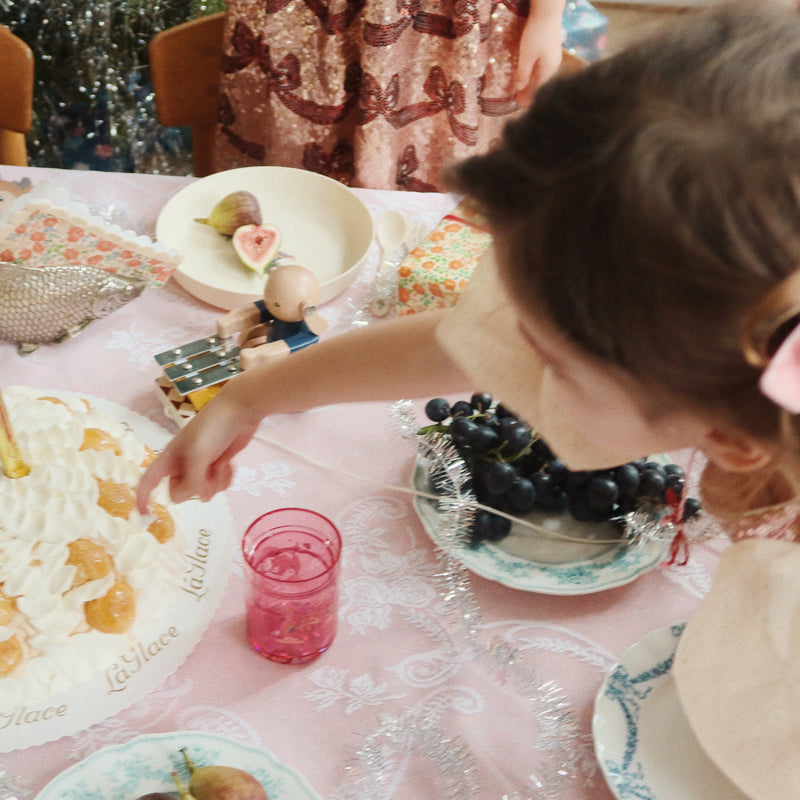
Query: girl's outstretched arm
[(386, 361)]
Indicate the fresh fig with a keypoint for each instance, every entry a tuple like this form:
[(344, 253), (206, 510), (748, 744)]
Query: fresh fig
[(257, 245), (232, 212), (222, 783), (159, 796)]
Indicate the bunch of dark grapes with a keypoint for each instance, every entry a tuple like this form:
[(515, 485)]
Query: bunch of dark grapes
[(513, 470)]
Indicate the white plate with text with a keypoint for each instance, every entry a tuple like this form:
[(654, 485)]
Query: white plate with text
[(165, 643)]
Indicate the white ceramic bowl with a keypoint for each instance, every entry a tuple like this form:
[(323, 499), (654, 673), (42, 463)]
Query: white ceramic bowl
[(324, 226)]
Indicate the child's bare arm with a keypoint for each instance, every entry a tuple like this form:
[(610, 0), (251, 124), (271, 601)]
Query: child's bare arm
[(387, 361)]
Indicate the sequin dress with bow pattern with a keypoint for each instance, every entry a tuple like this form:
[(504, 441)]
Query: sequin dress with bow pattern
[(377, 94)]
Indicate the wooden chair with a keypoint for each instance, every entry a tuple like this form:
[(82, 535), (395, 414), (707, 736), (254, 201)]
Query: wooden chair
[(185, 65), (16, 98)]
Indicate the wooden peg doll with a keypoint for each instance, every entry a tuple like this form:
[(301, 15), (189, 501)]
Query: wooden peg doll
[(284, 321)]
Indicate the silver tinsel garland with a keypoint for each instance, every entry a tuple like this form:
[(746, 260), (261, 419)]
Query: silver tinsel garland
[(563, 754), (555, 736), (93, 103)]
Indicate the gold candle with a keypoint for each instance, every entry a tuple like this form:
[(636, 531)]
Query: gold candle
[(11, 458)]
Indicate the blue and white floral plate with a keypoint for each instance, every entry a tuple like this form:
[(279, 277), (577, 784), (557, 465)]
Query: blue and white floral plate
[(143, 765), (643, 741), (535, 563)]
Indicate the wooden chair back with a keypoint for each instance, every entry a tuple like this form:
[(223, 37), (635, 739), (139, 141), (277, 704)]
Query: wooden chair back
[(185, 65), (16, 97)]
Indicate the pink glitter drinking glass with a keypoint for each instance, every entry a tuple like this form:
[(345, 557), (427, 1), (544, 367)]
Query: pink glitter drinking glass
[(291, 558)]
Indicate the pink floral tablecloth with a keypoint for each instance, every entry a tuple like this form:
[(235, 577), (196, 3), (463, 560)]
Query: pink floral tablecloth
[(403, 672)]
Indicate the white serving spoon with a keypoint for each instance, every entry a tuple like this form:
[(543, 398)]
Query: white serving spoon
[(390, 234)]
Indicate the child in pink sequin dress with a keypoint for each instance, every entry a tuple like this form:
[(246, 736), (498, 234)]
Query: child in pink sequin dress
[(379, 94)]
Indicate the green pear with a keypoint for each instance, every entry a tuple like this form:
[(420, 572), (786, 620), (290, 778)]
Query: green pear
[(222, 783)]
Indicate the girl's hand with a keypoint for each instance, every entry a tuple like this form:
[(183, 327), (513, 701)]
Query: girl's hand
[(198, 460), (539, 49), (398, 358)]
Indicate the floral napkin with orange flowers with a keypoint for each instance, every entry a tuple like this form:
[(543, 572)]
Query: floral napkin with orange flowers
[(438, 269), (44, 227)]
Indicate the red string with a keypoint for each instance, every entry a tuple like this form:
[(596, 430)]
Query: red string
[(679, 546)]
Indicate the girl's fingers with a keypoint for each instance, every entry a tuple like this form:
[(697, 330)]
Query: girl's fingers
[(152, 476)]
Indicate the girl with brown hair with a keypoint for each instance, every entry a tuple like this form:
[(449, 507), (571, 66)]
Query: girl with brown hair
[(645, 213)]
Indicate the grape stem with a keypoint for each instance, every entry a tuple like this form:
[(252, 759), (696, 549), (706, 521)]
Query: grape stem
[(437, 427), (190, 765), (495, 454)]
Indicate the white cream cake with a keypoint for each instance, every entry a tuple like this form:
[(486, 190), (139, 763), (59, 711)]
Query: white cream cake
[(82, 573)]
